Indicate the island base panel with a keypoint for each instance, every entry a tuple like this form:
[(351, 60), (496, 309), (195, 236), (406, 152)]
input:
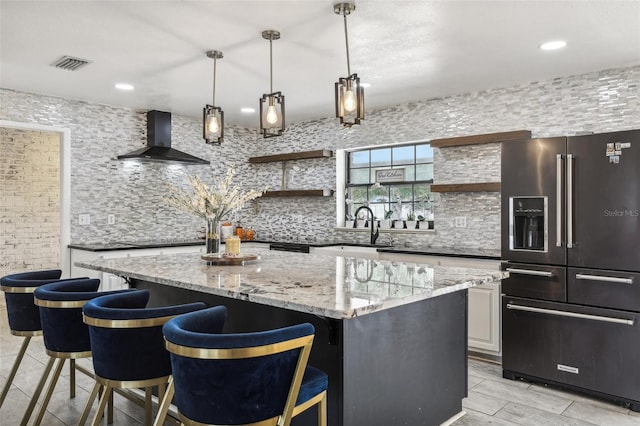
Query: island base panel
[(405, 365)]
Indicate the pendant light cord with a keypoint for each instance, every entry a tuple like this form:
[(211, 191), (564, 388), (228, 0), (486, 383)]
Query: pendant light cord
[(346, 39), (215, 60), (270, 64)]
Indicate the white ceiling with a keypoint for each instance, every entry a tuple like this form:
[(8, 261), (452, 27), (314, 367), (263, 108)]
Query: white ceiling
[(406, 50)]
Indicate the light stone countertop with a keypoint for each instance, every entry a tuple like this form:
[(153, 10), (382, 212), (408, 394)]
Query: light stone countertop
[(326, 285)]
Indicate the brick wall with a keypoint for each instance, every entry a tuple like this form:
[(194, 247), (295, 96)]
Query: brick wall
[(30, 206)]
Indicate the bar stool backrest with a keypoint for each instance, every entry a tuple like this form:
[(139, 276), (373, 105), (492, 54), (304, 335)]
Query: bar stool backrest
[(24, 316)]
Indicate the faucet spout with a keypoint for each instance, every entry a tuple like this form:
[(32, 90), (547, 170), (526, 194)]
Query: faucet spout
[(374, 236)]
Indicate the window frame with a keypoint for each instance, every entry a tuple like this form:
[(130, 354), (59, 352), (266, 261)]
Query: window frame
[(343, 189)]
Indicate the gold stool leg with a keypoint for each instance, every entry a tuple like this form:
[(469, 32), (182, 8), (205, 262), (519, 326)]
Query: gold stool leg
[(72, 378), (50, 388), (110, 409), (163, 409), (322, 411), (147, 405), (103, 402), (37, 392), (14, 369), (87, 407)]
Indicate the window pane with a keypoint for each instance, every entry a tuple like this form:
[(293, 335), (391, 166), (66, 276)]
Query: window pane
[(424, 153), (403, 155), (381, 157), (359, 159), (378, 195), (359, 176), (424, 172), (358, 195)]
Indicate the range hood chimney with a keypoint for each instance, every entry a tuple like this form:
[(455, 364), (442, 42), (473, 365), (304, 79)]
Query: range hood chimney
[(158, 147)]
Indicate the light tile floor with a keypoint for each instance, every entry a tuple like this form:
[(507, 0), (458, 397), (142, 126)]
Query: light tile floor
[(492, 400)]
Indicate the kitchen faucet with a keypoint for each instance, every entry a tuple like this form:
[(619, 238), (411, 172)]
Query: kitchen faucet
[(374, 236)]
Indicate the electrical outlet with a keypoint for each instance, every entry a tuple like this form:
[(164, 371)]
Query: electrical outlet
[(111, 219), (84, 219), (460, 222)]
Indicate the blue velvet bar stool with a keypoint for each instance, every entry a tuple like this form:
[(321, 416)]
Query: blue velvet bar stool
[(66, 336), (258, 378), (128, 346), (24, 316)]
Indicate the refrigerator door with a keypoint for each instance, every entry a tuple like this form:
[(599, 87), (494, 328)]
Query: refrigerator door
[(603, 201), (532, 209)]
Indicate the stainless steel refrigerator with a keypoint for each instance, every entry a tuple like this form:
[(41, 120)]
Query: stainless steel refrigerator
[(571, 242)]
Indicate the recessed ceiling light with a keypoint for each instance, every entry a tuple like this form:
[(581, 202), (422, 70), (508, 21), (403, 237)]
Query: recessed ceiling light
[(124, 86), (247, 110), (365, 85), (553, 45)]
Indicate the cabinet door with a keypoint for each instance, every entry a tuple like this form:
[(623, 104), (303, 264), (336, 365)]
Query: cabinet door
[(484, 318)]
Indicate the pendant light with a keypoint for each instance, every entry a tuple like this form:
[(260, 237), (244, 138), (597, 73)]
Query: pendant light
[(213, 116), (349, 92), (272, 104)]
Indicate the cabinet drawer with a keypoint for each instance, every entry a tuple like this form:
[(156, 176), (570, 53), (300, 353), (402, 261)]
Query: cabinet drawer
[(607, 289), (535, 281), (590, 348)]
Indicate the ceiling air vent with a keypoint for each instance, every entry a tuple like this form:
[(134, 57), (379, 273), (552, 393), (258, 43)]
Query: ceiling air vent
[(70, 63)]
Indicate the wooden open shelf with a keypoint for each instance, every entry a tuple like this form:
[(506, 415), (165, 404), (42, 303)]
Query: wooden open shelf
[(480, 139), (299, 193), (467, 187), (303, 155)]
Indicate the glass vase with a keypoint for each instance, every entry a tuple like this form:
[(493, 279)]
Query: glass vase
[(213, 236)]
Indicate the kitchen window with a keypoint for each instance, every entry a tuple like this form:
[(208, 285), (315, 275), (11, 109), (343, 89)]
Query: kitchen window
[(404, 191)]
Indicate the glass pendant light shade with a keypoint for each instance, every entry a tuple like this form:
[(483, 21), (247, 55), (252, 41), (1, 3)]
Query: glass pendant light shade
[(271, 104), (272, 114), (213, 124), (349, 93), (349, 100), (213, 116)]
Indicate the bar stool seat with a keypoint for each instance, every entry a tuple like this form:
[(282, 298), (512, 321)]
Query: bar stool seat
[(258, 378), (127, 345), (23, 314), (66, 336)]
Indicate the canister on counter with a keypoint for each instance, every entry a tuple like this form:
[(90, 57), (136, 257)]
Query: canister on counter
[(232, 246)]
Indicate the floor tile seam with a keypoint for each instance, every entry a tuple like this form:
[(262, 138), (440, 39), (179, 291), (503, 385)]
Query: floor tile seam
[(500, 401), (597, 407), (527, 390)]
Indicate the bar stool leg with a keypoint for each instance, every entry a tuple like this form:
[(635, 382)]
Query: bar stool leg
[(14, 369), (37, 392), (72, 378), (147, 405), (110, 409), (108, 390), (163, 409), (50, 388), (87, 407)]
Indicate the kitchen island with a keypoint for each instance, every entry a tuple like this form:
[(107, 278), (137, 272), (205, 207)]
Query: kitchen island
[(392, 336)]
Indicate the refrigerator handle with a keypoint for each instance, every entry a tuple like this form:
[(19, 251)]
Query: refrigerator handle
[(559, 200), (570, 201), (571, 314), (530, 272), (604, 278)]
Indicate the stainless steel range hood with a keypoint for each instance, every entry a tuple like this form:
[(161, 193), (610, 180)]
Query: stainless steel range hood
[(158, 147)]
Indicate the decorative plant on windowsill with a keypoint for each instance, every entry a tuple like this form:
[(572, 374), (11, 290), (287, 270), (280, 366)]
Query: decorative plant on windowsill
[(386, 222), (212, 203), (411, 220)]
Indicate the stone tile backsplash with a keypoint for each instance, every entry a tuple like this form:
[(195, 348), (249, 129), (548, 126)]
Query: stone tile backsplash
[(595, 102)]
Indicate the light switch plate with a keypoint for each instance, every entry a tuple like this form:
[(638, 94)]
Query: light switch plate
[(84, 219), (460, 222)]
